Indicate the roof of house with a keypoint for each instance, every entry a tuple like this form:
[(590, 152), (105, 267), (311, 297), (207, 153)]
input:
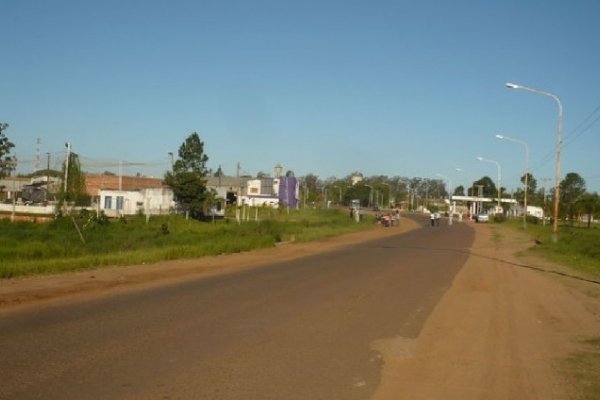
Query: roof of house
[(94, 183)]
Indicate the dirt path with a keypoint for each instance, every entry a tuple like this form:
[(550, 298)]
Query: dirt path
[(498, 333)]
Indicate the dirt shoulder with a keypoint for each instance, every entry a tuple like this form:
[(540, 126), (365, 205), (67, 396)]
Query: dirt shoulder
[(500, 332), (19, 293)]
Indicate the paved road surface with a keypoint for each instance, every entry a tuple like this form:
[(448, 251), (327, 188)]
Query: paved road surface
[(301, 329)]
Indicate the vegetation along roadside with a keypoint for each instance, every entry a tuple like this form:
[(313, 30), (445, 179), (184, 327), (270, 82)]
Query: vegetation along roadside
[(87, 241)]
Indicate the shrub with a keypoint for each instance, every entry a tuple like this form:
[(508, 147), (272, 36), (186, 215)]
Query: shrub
[(499, 218)]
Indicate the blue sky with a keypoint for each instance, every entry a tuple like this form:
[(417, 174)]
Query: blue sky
[(397, 88)]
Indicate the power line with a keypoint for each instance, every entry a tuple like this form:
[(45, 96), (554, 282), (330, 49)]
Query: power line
[(571, 136)]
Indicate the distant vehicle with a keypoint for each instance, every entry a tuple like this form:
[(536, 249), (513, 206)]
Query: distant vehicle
[(355, 204), (482, 218)]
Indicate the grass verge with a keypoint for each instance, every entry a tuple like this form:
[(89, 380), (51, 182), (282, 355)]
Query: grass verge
[(30, 249), (577, 247)]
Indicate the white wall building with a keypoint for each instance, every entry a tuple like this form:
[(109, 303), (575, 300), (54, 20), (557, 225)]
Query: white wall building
[(535, 211), (149, 201), (260, 192)]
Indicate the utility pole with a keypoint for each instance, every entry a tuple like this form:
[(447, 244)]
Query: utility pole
[(15, 189), (47, 176), (67, 158)]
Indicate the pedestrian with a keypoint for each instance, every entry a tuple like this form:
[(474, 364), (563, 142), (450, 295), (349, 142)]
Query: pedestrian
[(432, 217)]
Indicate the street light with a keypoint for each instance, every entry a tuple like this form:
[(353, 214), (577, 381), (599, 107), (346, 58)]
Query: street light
[(499, 174), (558, 145), (502, 137)]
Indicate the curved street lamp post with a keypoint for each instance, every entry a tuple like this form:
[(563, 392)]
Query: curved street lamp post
[(499, 175), (525, 189), (559, 130)]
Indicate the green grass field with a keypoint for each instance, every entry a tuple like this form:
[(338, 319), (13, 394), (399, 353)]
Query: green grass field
[(577, 247), (29, 248)]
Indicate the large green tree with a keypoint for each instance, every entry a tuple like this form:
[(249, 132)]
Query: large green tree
[(188, 177), (488, 187), (311, 189), (7, 163), (361, 192), (531, 189), (571, 188)]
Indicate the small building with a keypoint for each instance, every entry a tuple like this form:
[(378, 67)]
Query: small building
[(12, 187), (356, 179), (535, 211), (147, 201), (129, 195), (260, 192), (270, 192), (227, 188)]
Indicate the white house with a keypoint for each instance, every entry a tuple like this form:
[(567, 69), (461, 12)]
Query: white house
[(260, 192), (149, 201), (535, 211)]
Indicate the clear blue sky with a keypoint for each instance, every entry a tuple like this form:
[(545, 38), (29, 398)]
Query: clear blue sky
[(398, 88)]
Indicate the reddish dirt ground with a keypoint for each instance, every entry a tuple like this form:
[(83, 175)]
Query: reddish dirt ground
[(498, 333)]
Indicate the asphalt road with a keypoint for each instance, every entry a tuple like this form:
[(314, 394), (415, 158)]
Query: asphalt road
[(300, 329)]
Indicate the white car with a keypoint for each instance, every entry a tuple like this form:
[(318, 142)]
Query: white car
[(482, 218)]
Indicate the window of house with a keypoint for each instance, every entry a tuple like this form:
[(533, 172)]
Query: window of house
[(107, 202), (119, 202)]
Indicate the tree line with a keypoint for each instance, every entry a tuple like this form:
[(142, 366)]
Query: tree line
[(188, 174)]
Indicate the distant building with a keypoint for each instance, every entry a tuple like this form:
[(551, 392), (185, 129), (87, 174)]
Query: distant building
[(535, 211), (270, 192), (228, 188), (147, 201), (129, 195), (356, 178), (260, 192)]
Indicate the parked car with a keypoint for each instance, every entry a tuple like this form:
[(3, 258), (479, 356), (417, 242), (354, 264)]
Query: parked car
[(482, 218)]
